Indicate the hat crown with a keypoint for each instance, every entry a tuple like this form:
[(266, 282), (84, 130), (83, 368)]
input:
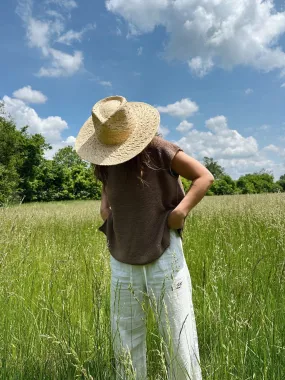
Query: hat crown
[(113, 120)]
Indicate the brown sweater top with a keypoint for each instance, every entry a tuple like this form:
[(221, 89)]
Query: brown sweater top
[(136, 228)]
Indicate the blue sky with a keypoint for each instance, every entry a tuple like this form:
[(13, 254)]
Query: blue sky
[(214, 69)]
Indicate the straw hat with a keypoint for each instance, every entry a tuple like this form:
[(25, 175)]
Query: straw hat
[(117, 131)]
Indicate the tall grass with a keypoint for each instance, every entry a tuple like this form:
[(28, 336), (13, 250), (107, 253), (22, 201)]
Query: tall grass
[(54, 290)]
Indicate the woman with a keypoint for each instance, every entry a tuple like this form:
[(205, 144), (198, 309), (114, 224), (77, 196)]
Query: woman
[(144, 207)]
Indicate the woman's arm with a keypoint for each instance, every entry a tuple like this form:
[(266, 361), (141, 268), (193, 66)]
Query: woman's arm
[(105, 206), (200, 176)]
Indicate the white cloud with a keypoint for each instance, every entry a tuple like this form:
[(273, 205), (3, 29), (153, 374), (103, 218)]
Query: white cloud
[(71, 140), (235, 152), (183, 108), (283, 85), (62, 64), (59, 145), (200, 66), (105, 83), (248, 91), (239, 155), (55, 14), (67, 4), (220, 141), (140, 51), (205, 33), (38, 33), (264, 127), (238, 167), (142, 14), (24, 9), (272, 148), (43, 32), (118, 31), (28, 95), (163, 130), (229, 142), (71, 35), (50, 127), (97, 79), (275, 149), (184, 126)]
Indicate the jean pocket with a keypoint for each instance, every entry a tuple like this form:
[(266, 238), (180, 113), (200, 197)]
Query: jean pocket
[(118, 268), (176, 231), (172, 260)]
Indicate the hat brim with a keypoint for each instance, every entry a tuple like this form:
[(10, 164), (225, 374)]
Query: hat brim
[(90, 149)]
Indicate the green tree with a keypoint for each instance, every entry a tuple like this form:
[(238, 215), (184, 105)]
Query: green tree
[(9, 181), (256, 183), (85, 185), (20, 153), (217, 170), (68, 157), (50, 183), (281, 182), (66, 177), (9, 177), (186, 184), (32, 154), (223, 186), (245, 186)]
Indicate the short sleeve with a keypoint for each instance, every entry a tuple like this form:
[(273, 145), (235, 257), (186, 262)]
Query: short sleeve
[(167, 151)]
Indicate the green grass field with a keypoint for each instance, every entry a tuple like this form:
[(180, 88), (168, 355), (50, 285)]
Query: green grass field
[(54, 290)]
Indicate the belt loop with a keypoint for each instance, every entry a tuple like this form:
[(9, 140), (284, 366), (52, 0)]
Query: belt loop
[(131, 273), (145, 278)]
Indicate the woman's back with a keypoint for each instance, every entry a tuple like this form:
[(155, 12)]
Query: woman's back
[(136, 229)]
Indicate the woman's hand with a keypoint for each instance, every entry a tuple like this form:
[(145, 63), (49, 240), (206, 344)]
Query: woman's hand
[(105, 212), (176, 219)]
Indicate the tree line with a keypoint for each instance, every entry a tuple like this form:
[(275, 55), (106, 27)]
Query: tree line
[(27, 176)]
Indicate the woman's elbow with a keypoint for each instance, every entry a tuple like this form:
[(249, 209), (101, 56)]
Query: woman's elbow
[(208, 177), (211, 178)]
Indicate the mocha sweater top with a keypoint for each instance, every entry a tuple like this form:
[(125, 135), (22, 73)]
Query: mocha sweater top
[(136, 228)]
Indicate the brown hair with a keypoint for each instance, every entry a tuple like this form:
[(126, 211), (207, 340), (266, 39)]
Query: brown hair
[(134, 165)]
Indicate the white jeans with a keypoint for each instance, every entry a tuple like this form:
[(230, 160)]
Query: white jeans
[(166, 285)]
